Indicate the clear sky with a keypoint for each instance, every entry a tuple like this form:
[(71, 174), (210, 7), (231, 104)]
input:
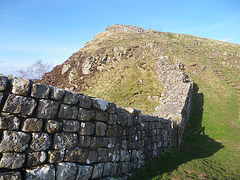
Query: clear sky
[(52, 30)]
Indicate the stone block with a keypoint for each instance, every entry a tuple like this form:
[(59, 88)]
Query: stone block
[(86, 115), (55, 156), (97, 142), (104, 154), (112, 119), (122, 119), (45, 172), (101, 128), (124, 155), (12, 160), (76, 155), (100, 104), (40, 141), (47, 109), (124, 167), (68, 112), (14, 141), (19, 105), (32, 125), (84, 141), (63, 141), (114, 130), (71, 125), (56, 93), (3, 83), (21, 86), (101, 116), (92, 157), (66, 171), (71, 98), (36, 158), (40, 91), (107, 169), (113, 142), (97, 170), (87, 128), (12, 175), (9, 122), (84, 172), (111, 108), (53, 126), (114, 169), (85, 101)]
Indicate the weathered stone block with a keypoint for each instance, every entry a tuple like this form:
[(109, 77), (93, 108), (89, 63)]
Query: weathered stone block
[(56, 93), (71, 98), (13, 175), (99, 142), (32, 125), (85, 115), (66, 171), (101, 128), (40, 141), (36, 158), (64, 141), (47, 109), (113, 142), (71, 125), (101, 116), (124, 155), (9, 122), (85, 101), (104, 154), (111, 108), (19, 105), (122, 119), (84, 172), (114, 130), (55, 156), (92, 157), (107, 169), (53, 126), (77, 155), (40, 91), (21, 86), (97, 170), (12, 160), (45, 172), (112, 118), (124, 167), (3, 83), (84, 141), (14, 141), (87, 128), (68, 112), (100, 104)]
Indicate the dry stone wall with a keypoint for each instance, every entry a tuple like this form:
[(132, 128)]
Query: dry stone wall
[(50, 133)]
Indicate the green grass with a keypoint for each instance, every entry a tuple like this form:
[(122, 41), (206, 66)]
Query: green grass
[(134, 82)]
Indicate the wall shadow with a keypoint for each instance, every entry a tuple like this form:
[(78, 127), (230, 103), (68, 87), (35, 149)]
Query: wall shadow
[(195, 145)]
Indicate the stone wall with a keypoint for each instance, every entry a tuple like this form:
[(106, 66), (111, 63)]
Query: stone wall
[(50, 133), (124, 28), (175, 102)]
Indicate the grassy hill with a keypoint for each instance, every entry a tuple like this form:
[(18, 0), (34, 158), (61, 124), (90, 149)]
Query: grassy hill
[(119, 68)]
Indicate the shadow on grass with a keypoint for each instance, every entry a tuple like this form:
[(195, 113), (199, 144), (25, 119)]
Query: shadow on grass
[(195, 145)]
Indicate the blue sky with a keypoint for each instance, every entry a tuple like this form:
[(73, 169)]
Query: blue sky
[(52, 30)]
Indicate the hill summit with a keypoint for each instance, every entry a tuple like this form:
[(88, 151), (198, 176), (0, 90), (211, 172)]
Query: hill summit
[(117, 64)]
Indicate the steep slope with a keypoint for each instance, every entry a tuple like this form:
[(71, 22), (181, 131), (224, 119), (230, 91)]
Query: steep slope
[(118, 64)]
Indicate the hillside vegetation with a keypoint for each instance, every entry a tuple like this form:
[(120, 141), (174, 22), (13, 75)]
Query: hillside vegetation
[(118, 67)]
